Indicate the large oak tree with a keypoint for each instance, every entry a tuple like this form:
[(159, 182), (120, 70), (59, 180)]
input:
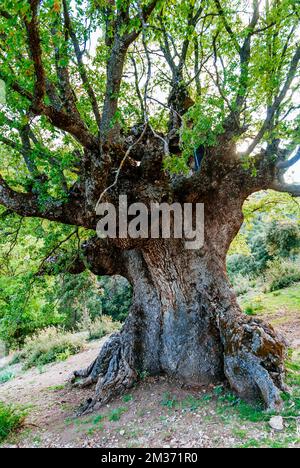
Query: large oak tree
[(114, 97)]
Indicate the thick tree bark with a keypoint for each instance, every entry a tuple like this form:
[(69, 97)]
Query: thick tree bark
[(185, 323)]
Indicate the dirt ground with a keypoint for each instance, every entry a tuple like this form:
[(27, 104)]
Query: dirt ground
[(157, 413)]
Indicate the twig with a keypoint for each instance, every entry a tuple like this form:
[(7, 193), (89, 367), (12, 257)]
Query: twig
[(121, 166)]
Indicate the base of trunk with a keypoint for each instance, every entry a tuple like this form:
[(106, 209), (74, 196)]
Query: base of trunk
[(251, 361), (185, 323)]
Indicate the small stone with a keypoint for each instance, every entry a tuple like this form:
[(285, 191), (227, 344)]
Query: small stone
[(122, 433), (276, 423)]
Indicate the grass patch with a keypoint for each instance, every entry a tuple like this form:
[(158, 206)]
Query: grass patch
[(287, 299), (193, 404), (251, 443), (252, 413), (115, 414), (230, 404), (240, 433), (11, 419), (6, 376), (169, 401), (293, 369), (267, 442), (93, 430), (127, 398), (56, 388)]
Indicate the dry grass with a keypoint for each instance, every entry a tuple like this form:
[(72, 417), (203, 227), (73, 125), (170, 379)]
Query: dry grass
[(50, 345)]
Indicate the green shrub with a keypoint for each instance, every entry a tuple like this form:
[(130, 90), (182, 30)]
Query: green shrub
[(115, 414), (254, 307), (260, 253), (241, 284), (11, 419), (18, 321), (6, 375), (76, 297), (283, 238), (249, 310), (50, 345), (240, 265), (282, 274), (116, 297), (285, 282), (101, 327)]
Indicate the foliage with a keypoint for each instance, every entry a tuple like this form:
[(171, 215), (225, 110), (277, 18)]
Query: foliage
[(26, 304), (6, 375), (11, 419), (271, 233), (116, 297), (101, 327), (283, 274), (77, 297), (48, 346), (29, 302), (20, 314), (240, 264), (283, 238)]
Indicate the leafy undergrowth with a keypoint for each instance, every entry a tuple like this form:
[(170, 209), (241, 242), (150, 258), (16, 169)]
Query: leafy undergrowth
[(6, 375), (11, 418), (101, 327), (54, 344), (48, 346)]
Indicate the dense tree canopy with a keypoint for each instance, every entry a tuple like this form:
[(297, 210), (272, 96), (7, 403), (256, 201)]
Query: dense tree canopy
[(228, 69)]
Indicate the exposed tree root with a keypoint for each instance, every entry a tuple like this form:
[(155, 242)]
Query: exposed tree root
[(254, 359), (112, 371), (253, 364)]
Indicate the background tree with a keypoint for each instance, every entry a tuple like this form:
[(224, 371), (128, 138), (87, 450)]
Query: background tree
[(167, 79)]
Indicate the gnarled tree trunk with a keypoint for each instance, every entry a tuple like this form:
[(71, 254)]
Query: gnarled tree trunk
[(185, 322)]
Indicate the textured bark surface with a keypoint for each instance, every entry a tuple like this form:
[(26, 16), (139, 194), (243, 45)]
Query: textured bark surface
[(185, 323)]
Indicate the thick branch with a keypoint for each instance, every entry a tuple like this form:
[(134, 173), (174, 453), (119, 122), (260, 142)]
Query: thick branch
[(5, 14), (35, 47), (28, 205), (292, 189), (227, 25), (232, 123), (60, 119), (115, 67), (81, 66), (146, 12), (97, 255), (290, 162)]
